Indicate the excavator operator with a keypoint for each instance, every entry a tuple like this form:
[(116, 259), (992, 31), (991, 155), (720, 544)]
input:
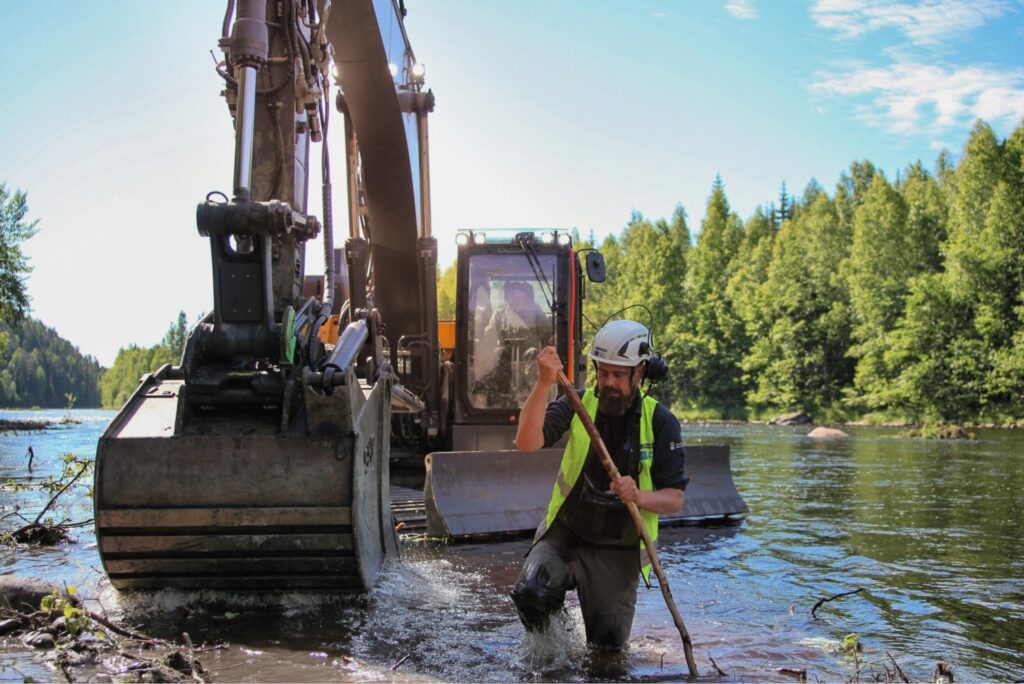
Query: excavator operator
[(588, 540), (516, 332), (519, 319)]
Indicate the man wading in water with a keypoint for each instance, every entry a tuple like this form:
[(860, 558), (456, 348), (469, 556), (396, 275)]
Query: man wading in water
[(588, 540)]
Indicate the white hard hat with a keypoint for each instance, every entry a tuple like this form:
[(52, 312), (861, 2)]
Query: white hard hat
[(621, 343)]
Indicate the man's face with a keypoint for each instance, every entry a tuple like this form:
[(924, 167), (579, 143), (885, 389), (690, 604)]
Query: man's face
[(616, 388), (519, 298)]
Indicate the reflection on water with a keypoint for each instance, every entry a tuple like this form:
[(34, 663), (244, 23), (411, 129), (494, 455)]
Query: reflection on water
[(930, 530)]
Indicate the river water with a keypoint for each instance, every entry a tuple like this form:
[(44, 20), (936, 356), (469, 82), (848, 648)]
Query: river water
[(930, 530)]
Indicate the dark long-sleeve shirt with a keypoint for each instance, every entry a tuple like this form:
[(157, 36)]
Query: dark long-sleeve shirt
[(667, 470)]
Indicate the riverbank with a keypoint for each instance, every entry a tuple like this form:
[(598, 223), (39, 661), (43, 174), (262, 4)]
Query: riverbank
[(692, 416), (20, 425), (7, 425)]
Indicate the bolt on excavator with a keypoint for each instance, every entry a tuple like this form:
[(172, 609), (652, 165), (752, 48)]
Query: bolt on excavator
[(263, 460)]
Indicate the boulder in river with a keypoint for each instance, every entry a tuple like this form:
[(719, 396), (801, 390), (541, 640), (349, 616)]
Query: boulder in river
[(826, 433), (23, 592), (798, 418), (39, 639)]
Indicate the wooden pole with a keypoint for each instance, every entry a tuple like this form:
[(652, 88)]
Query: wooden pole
[(634, 512)]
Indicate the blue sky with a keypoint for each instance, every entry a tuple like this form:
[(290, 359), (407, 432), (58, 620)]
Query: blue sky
[(549, 114)]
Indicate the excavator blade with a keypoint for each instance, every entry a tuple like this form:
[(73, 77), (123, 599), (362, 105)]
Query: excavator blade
[(482, 494), (488, 493), (711, 492), (238, 504)]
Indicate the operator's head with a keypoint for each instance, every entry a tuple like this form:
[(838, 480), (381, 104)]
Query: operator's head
[(518, 294), (619, 351)]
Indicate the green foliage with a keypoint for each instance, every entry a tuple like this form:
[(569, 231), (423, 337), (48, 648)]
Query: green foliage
[(14, 299), (57, 604), (708, 335), (890, 300), (446, 293), (174, 338), (40, 368), (120, 381), (797, 359)]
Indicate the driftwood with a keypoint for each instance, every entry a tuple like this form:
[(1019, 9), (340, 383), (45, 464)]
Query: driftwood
[(899, 670), (833, 598), (8, 425), (75, 640), (800, 674), (37, 532)]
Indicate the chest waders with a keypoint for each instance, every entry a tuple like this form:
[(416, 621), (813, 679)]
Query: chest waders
[(575, 455)]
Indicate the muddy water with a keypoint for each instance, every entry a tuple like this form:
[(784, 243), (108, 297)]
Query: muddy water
[(930, 530)]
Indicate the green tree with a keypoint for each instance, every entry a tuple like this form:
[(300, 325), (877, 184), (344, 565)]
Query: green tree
[(798, 359), (956, 346), (14, 267), (39, 368), (174, 338), (711, 338), (446, 284), (881, 260), (751, 272), (653, 263), (605, 299), (119, 382)]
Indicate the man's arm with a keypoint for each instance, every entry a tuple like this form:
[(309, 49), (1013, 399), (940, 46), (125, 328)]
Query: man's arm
[(662, 501), (530, 435)]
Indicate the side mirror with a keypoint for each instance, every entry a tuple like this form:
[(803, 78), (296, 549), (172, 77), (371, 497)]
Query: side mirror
[(595, 267)]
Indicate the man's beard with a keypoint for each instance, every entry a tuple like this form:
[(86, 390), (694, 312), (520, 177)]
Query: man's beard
[(615, 404)]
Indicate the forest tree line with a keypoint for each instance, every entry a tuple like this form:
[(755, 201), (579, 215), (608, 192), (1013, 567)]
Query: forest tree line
[(896, 299), (888, 299), (40, 368)]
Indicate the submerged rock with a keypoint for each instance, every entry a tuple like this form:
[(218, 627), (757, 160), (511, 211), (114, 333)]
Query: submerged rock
[(941, 432), (953, 432), (39, 639), (798, 418), (21, 592), (9, 625), (826, 433)]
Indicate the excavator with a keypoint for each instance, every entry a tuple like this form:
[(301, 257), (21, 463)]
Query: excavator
[(262, 461)]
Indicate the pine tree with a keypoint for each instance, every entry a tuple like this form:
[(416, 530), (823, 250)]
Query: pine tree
[(174, 338), (798, 358), (14, 267), (711, 337)]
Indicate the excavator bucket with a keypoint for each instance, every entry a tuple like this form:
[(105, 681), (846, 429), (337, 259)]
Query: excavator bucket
[(237, 503), (480, 494)]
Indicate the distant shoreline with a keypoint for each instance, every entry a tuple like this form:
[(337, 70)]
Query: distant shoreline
[(8, 425)]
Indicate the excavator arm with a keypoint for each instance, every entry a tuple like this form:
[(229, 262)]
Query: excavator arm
[(261, 461)]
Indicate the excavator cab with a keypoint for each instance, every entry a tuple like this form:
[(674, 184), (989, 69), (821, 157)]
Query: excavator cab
[(516, 294)]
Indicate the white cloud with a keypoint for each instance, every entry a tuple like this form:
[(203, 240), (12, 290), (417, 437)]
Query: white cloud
[(910, 97), (924, 22), (741, 9)]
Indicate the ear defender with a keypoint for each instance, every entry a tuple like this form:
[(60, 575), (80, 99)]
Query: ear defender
[(656, 369)]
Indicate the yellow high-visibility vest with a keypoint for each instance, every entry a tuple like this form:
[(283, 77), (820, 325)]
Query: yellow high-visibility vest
[(575, 455)]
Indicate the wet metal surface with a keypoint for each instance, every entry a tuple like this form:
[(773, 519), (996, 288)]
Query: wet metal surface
[(930, 529)]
